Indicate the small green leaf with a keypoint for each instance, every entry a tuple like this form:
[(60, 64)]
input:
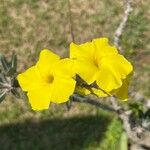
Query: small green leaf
[(14, 83), (10, 72), (2, 96), (3, 78), (4, 63), (15, 92), (14, 61), (1, 81)]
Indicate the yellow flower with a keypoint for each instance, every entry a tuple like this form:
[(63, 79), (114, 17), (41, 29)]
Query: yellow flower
[(122, 92), (98, 61), (82, 91), (50, 80)]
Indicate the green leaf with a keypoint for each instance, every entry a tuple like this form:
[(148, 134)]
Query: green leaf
[(14, 83), (15, 92), (3, 78), (1, 81), (4, 63), (10, 72), (14, 61), (2, 96)]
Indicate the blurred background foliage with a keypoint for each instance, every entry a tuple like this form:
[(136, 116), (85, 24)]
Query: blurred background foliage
[(28, 26)]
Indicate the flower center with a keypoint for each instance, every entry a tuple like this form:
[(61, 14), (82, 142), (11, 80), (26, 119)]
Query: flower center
[(96, 62), (49, 79)]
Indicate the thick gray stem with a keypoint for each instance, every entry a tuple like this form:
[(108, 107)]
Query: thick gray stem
[(119, 31)]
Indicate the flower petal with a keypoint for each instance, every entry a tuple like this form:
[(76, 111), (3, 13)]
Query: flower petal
[(62, 89), (86, 70), (83, 51), (118, 64), (40, 98), (64, 68), (113, 69), (46, 61), (108, 80), (103, 48), (122, 92), (99, 92), (82, 91), (30, 79)]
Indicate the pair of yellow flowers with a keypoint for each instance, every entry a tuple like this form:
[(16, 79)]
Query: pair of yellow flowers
[(53, 79)]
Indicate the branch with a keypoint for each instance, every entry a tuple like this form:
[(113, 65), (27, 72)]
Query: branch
[(122, 25), (71, 21), (77, 98)]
